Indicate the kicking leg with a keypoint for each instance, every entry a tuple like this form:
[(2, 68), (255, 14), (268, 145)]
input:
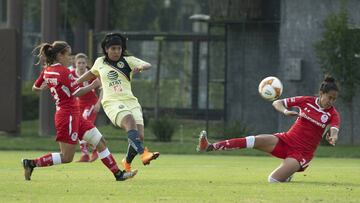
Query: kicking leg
[(265, 142), (285, 171), (129, 124)]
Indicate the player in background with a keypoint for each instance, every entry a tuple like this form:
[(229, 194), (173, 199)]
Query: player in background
[(115, 70), (69, 124), (89, 104), (296, 146)]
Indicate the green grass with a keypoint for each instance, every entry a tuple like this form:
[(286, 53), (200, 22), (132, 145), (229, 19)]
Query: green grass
[(180, 178), (184, 141)]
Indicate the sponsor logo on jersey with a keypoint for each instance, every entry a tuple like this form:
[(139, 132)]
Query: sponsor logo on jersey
[(324, 118), (112, 75), (303, 115), (120, 64), (116, 82)]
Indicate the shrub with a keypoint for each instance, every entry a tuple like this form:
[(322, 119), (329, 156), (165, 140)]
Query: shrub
[(233, 130), (163, 128)]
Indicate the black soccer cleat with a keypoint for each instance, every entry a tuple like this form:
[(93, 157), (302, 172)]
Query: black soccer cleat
[(123, 175), (28, 168)]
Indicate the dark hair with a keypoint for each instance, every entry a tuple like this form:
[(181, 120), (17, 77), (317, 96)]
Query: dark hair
[(48, 52), (114, 39), (328, 85)]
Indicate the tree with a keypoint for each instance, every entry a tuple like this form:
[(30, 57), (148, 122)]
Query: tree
[(338, 52)]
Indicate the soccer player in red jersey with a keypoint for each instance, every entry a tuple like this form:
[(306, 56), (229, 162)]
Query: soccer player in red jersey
[(89, 104), (69, 124), (296, 146)]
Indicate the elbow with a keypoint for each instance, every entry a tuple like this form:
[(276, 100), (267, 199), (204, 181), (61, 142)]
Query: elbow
[(275, 103), (35, 89), (147, 65)]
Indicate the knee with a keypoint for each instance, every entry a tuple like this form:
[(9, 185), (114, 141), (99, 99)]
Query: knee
[(275, 180), (66, 158), (128, 123), (141, 136), (272, 180)]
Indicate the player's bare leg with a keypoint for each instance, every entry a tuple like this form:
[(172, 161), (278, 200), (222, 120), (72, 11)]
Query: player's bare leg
[(67, 152), (265, 142), (285, 171), (84, 148)]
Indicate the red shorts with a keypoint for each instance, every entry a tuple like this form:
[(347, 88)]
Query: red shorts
[(88, 113), (71, 127), (283, 150)]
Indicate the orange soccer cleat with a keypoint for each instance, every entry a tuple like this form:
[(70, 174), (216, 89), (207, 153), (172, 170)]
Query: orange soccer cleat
[(147, 156), (126, 165)]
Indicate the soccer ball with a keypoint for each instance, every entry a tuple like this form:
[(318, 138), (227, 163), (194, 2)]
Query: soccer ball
[(270, 88)]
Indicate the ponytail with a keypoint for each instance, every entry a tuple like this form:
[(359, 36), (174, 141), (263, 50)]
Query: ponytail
[(48, 52), (328, 85)]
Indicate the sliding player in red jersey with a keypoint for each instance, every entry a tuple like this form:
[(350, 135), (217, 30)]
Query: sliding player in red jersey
[(69, 124), (298, 144), (89, 103)]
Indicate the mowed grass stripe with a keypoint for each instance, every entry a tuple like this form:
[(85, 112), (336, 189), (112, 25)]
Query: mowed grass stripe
[(180, 178)]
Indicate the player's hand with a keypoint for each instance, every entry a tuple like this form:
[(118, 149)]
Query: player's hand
[(290, 113), (137, 70), (331, 138)]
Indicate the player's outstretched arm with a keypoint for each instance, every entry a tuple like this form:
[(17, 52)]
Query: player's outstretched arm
[(279, 106), (85, 77), (83, 90)]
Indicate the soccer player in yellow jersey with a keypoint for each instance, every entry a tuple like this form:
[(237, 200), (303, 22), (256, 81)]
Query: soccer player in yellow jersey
[(115, 70)]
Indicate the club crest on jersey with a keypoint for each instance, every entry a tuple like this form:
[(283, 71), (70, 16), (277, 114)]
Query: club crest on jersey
[(121, 106), (74, 136), (324, 118), (112, 75), (120, 64)]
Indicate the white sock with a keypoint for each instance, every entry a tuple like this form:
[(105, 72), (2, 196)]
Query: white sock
[(250, 141), (56, 158)]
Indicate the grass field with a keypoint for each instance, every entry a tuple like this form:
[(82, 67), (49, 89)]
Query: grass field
[(180, 178)]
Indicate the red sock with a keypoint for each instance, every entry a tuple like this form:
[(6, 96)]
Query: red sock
[(45, 160), (236, 143), (109, 161)]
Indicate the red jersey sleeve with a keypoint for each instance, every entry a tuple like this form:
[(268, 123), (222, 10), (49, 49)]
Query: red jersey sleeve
[(293, 101), (335, 120), (39, 81)]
